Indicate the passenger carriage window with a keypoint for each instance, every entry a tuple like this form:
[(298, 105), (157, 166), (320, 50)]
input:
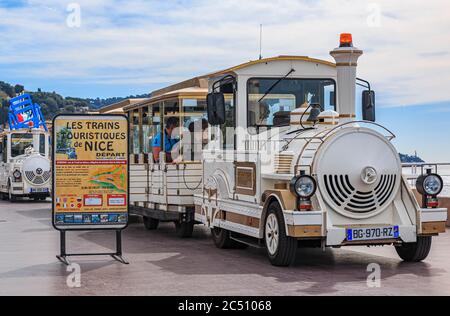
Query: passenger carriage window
[(155, 113), (5, 149), (270, 101), (42, 139), (171, 132), (136, 132), (194, 127), (146, 130)]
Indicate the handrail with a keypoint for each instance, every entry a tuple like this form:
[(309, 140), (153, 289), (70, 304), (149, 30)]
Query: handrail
[(332, 130), (363, 122)]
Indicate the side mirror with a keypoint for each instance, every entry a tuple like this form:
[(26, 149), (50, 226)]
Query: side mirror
[(316, 109), (216, 108), (368, 106)]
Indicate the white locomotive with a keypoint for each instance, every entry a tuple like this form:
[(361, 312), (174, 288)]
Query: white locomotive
[(287, 163), (25, 164)]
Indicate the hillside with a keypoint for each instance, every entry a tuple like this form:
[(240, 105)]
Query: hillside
[(52, 103), (410, 159)]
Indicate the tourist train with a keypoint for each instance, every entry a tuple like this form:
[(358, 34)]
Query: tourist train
[(282, 163)]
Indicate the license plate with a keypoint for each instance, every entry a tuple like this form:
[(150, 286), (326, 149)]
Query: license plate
[(39, 190), (373, 233)]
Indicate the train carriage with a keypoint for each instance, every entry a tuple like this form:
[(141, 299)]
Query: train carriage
[(162, 191)]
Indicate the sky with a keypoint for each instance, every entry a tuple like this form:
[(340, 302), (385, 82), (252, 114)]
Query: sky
[(107, 48)]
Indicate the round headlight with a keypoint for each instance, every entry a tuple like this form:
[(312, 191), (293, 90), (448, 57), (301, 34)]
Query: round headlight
[(304, 186), (430, 184), (17, 174)]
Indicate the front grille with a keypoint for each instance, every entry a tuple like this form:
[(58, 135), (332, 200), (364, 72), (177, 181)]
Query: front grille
[(345, 196), (37, 179), (29, 175), (283, 163)]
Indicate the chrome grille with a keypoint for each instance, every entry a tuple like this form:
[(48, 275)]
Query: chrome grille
[(344, 194), (37, 179), (29, 175)]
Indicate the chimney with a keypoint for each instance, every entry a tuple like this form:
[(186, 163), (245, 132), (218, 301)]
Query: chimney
[(346, 57)]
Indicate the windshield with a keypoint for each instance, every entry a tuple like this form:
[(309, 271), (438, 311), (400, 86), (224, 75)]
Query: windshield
[(19, 142), (273, 109)]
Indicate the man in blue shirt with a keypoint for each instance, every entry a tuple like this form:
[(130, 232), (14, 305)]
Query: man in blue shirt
[(171, 124)]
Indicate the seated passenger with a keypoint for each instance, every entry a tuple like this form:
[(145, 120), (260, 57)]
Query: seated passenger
[(193, 141), (169, 141)]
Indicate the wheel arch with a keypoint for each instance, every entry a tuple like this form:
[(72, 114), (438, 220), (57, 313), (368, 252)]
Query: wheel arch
[(268, 199)]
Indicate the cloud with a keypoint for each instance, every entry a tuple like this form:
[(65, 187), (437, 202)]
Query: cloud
[(139, 42)]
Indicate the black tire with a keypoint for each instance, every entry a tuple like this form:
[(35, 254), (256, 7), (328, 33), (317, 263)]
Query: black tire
[(415, 252), (284, 251), (151, 223), (185, 229), (222, 239), (4, 196)]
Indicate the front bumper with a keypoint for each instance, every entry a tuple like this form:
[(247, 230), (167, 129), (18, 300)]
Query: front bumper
[(26, 191), (314, 225)]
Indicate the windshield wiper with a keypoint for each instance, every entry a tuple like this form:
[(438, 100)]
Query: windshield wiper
[(276, 84)]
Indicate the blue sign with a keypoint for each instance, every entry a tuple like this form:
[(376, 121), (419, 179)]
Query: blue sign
[(23, 113)]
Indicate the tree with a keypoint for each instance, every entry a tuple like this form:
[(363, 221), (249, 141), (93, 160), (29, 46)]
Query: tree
[(69, 109), (19, 88)]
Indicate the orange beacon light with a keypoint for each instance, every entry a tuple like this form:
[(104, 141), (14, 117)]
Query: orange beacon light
[(346, 40)]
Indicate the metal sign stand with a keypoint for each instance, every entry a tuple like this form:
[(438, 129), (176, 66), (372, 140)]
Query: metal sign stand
[(118, 256), (64, 255)]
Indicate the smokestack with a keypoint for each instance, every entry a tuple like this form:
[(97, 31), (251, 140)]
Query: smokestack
[(346, 57)]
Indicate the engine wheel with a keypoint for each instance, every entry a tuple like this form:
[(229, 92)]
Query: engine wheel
[(185, 229), (222, 239), (415, 252), (150, 223), (281, 249)]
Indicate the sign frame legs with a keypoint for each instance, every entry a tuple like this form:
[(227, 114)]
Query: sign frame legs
[(63, 257)]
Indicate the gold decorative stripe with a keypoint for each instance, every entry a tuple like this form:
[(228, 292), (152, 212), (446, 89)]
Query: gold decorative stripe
[(320, 123), (299, 113), (240, 219), (433, 228), (347, 64), (304, 231), (350, 51)]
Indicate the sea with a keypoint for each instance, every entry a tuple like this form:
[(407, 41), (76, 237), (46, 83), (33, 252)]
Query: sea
[(443, 171)]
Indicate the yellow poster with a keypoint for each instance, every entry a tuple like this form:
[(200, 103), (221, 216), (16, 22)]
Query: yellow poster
[(90, 171)]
